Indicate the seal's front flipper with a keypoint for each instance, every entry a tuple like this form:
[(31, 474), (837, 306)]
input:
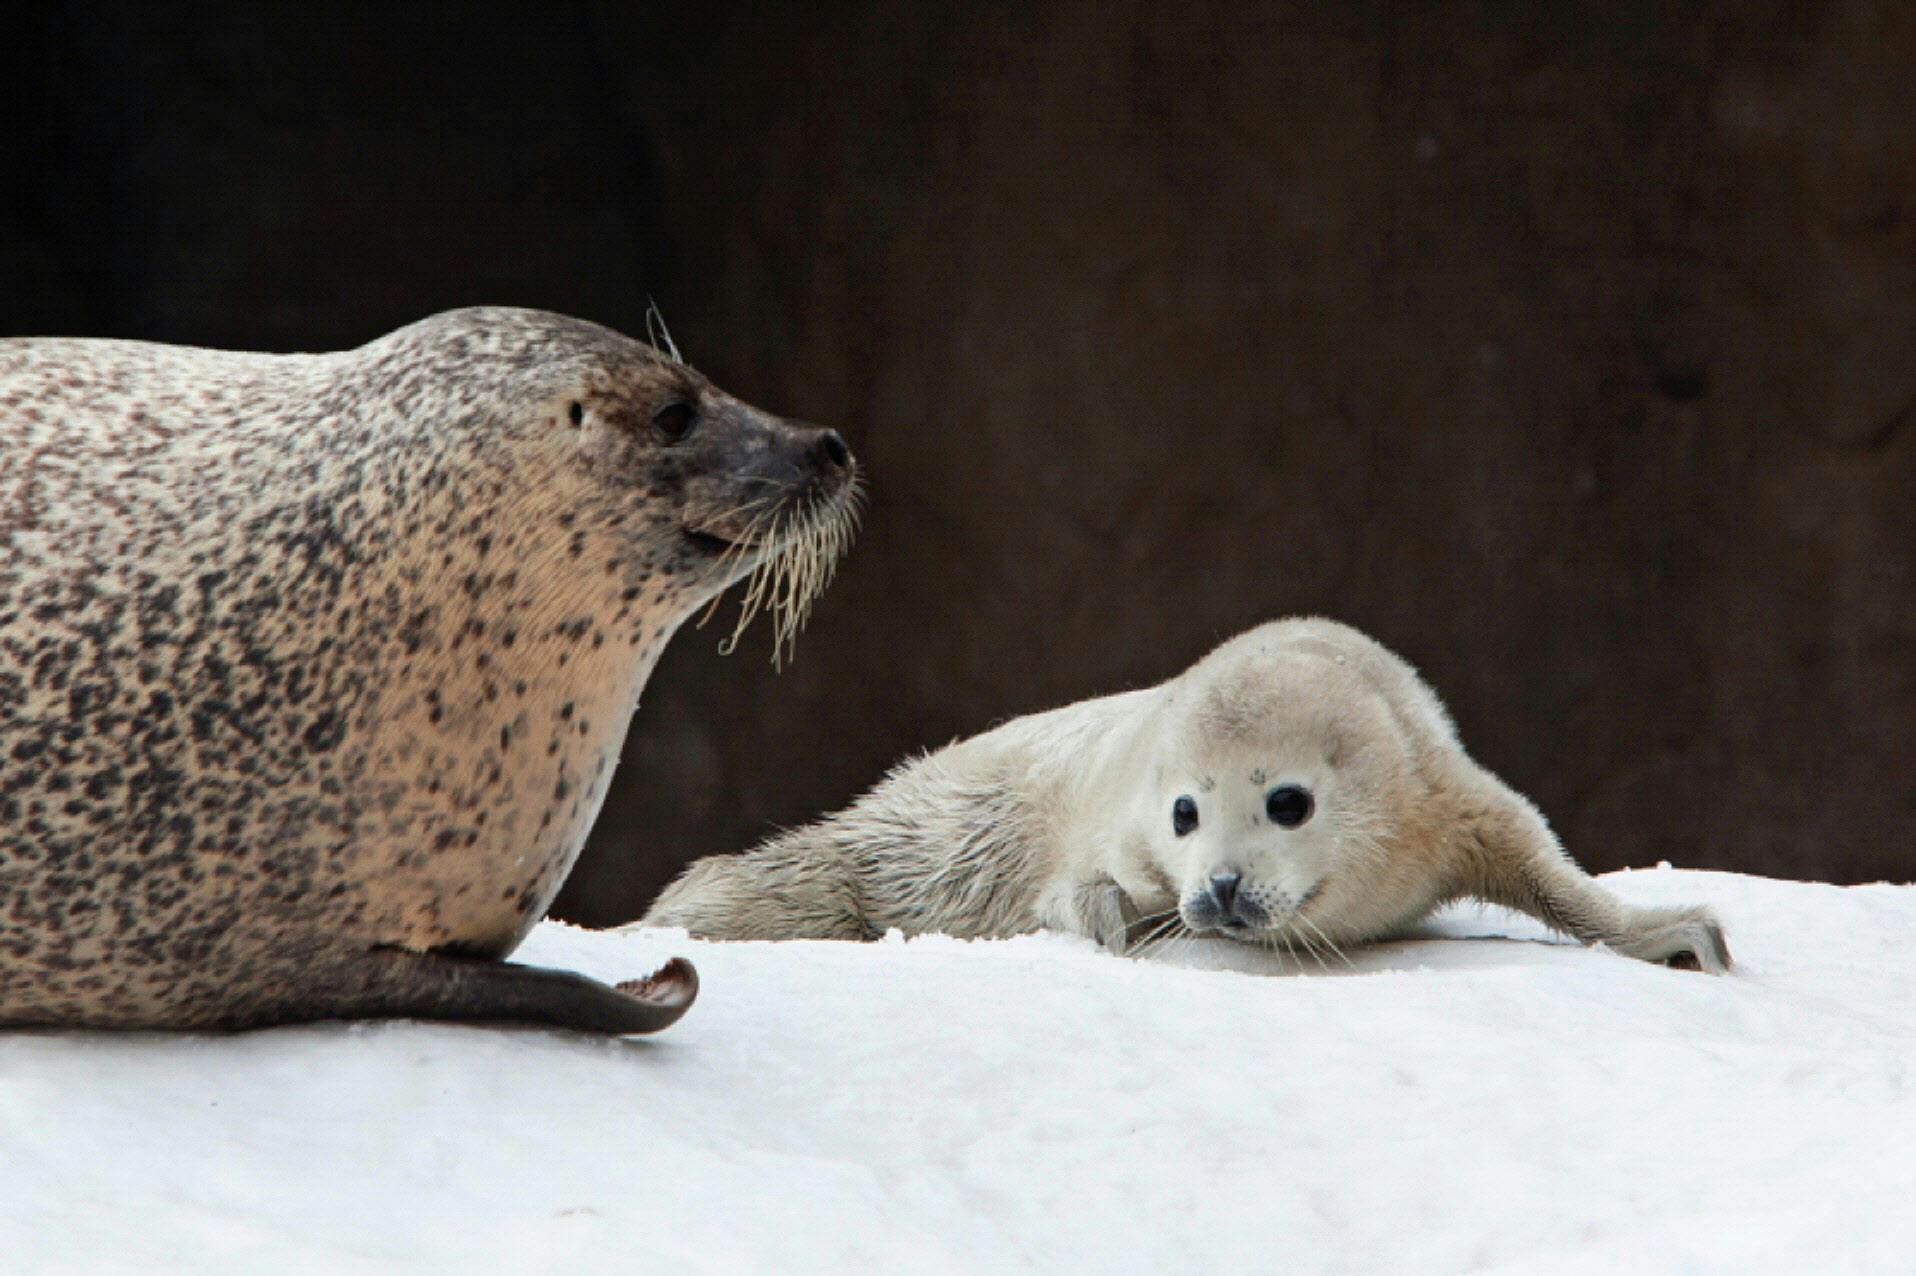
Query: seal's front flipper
[(1519, 863), (1684, 938), (391, 983), (1557, 892), (1111, 914), (1098, 909)]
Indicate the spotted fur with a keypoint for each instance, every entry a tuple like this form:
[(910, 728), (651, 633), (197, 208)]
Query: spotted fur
[(310, 657)]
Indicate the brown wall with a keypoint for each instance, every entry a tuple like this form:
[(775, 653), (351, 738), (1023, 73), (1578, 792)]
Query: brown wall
[(1572, 353)]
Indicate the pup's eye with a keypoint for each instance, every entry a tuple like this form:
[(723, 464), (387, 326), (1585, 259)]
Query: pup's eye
[(675, 420), (577, 413), (1183, 815), (1288, 805)]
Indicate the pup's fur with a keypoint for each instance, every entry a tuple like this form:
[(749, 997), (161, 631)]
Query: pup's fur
[(1063, 820)]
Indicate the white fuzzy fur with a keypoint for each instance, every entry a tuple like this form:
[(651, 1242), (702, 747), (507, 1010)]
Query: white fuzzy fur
[(1062, 820)]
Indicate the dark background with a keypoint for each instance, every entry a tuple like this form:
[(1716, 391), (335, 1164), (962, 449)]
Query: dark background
[(1568, 348)]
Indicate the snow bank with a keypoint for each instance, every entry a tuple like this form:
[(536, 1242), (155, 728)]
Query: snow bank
[(1438, 1106)]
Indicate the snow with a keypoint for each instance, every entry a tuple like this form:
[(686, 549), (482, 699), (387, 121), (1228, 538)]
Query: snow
[(1440, 1105)]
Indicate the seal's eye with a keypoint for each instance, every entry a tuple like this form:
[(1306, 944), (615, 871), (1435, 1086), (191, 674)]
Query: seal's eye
[(675, 420), (1183, 815), (1288, 805), (577, 413)]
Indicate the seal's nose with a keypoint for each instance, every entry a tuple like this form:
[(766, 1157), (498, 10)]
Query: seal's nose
[(831, 452), (1224, 892)]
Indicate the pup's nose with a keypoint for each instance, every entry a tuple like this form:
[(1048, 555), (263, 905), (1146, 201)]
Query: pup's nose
[(1224, 892)]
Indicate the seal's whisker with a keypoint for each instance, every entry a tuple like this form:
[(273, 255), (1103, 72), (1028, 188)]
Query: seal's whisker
[(755, 584), (1328, 941), (1152, 919), (736, 511), (1165, 923), (1141, 947), (1176, 931), (655, 331), (805, 542), (1315, 955), (737, 549)]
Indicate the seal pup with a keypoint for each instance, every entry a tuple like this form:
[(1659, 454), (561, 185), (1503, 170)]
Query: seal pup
[(1299, 786), (314, 668)]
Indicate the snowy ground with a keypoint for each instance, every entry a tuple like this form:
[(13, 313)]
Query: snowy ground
[(1452, 1105)]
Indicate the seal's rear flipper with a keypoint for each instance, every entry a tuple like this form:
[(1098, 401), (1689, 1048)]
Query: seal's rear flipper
[(391, 983), (671, 989)]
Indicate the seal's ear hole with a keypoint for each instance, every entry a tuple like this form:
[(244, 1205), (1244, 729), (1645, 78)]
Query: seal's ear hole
[(577, 413)]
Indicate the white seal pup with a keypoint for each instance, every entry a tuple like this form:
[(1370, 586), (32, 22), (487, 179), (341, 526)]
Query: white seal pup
[(314, 668), (1300, 785)]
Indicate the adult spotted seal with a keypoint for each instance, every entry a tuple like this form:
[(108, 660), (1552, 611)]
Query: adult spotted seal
[(314, 668), (1300, 786)]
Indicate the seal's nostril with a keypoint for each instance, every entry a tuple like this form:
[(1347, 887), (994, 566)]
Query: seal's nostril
[(1224, 891), (831, 447)]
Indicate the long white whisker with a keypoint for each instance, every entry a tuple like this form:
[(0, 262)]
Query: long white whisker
[(1316, 956), (1328, 941), (737, 548), (800, 544), (655, 329), (1159, 925), (1177, 931)]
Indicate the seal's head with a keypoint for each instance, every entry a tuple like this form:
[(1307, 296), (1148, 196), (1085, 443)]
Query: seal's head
[(1275, 802), (628, 451)]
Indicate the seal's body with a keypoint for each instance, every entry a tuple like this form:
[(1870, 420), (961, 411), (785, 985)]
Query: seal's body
[(1298, 786), (314, 668)]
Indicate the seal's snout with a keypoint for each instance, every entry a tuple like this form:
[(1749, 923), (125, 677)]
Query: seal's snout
[(1221, 903), (790, 455), (823, 458), (831, 452), (1224, 892)]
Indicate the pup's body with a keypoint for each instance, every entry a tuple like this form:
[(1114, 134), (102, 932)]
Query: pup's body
[(1299, 785)]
